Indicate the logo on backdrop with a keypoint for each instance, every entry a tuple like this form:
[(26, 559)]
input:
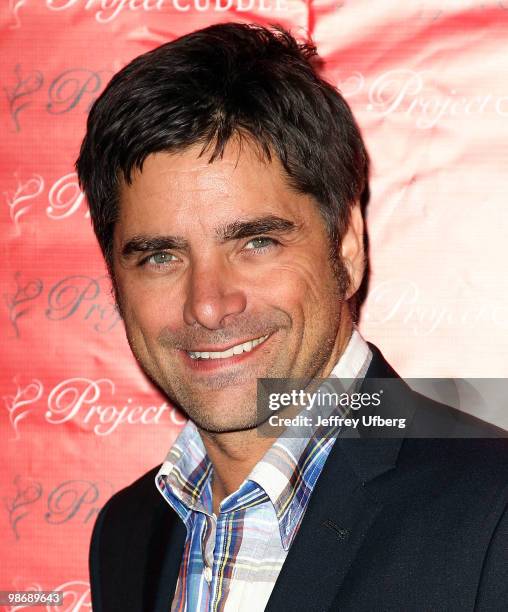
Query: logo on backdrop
[(91, 404), (64, 197), (78, 296), (20, 201), (78, 500), (414, 95), (106, 11), (406, 303), (72, 89), (21, 403)]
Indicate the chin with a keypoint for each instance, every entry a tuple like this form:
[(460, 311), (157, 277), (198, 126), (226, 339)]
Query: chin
[(217, 425)]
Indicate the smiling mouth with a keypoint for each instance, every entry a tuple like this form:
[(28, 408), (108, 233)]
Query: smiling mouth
[(238, 349)]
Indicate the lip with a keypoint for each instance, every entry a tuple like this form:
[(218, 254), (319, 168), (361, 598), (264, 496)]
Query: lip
[(215, 364)]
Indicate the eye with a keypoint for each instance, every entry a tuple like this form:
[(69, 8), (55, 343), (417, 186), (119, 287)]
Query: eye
[(158, 260), (260, 243)]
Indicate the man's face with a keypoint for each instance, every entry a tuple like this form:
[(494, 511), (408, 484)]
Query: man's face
[(224, 276)]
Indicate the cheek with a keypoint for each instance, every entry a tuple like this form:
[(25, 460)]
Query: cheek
[(147, 310), (302, 282)]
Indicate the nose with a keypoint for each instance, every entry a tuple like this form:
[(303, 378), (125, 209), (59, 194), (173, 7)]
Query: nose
[(212, 295)]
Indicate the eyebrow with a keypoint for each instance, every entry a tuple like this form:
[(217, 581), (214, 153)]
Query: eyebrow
[(141, 244), (261, 225), (231, 231)]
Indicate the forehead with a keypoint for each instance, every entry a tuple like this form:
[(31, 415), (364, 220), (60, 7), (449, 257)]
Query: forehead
[(178, 192)]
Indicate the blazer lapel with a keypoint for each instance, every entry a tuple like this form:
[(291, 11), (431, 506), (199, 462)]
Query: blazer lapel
[(340, 513)]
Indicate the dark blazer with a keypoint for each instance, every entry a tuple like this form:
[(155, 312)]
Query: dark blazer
[(394, 523)]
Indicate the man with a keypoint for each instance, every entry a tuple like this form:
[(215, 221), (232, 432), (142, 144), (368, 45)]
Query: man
[(226, 183)]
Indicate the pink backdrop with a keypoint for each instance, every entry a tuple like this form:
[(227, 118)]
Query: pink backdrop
[(428, 83)]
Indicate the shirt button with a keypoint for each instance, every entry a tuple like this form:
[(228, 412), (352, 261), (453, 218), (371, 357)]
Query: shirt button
[(208, 574)]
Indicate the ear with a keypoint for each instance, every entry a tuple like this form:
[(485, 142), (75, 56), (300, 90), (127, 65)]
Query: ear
[(352, 251)]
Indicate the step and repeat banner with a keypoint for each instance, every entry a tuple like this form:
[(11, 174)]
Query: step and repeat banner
[(428, 83)]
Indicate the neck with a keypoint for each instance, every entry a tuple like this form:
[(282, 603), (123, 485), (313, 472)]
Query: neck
[(234, 454)]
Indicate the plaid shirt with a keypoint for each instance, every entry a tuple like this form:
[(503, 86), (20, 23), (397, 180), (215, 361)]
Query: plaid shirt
[(231, 562)]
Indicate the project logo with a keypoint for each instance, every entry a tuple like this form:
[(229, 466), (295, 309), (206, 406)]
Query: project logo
[(106, 11)]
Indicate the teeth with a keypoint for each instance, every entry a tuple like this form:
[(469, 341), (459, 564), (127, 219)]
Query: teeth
[(245, 347)]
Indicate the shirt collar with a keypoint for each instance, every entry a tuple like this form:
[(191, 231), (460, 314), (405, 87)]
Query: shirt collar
[(185, 474), (355, 359)]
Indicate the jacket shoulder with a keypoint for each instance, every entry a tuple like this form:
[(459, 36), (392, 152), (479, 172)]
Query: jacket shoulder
[(130, 499), (129, 542), (425, 417)]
